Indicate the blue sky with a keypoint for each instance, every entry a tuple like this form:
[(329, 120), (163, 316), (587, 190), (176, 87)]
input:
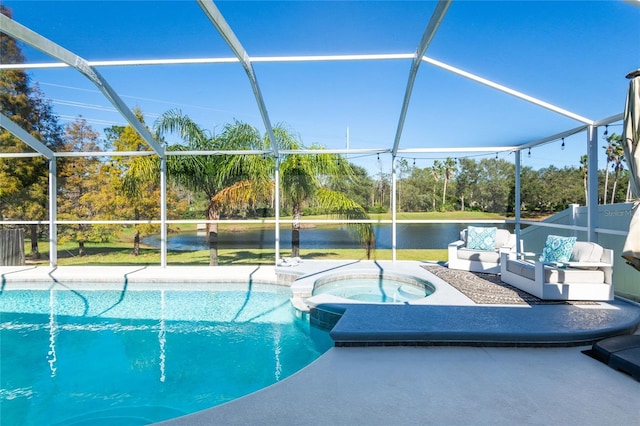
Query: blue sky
[(571, 54)]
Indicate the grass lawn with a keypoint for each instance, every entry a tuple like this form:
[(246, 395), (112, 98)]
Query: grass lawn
[(119, 252)]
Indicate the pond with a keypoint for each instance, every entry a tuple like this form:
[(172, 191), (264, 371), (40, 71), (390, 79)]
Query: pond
[(409, 236)]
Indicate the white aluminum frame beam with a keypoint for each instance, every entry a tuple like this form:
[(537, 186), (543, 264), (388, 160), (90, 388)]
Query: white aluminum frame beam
[(458, 149), (26, 35), (212, 60), (555, 137), (592, 183), (216, 18), (507, 90), (42, 149), (25, 137), (429, 33)]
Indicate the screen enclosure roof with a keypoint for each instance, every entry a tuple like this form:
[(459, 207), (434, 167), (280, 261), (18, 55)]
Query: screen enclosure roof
[(415, 79)]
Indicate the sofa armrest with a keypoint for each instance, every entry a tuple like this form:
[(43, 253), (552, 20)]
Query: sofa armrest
[(523, 255), (511, 244), (579, 265), (586, 264), (457, 244), (505, 255), (505, 249), (452, 250)]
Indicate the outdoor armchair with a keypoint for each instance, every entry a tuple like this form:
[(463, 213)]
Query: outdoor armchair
[(475, 252), (587, 275)]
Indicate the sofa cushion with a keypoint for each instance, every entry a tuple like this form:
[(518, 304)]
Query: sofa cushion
[(557, 249), (523, 268), (481, 238), (502, 237), (527, 269), (479, 255), (573, 275), (586, 252)]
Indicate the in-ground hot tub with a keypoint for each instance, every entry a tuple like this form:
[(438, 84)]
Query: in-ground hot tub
[(374, 288)]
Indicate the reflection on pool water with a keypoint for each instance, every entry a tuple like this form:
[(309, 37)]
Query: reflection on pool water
[(137, 357), (375, 288)]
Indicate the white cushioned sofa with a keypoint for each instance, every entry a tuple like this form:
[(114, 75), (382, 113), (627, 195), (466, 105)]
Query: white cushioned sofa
[(588, 275), (476, 260)]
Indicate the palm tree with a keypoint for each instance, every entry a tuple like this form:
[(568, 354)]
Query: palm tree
[(402, 166), (437, 170), (212, 173), (303, 181), (618, 162), (240, 180), (584, 166), (449, 169), (609, 154)]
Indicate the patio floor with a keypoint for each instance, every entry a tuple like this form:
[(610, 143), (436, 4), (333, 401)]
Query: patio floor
[(439, 386)]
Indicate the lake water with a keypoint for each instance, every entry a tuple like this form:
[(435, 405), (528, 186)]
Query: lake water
[(409, 236)]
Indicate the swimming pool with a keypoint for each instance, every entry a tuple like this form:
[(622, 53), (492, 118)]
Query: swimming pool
[(374, 288), (137, 357)]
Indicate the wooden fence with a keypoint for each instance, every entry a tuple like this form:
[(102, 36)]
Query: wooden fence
[(11, 247)]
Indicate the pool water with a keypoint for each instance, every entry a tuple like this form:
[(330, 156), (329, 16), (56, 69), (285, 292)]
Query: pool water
[(375, 288), (137, 357)]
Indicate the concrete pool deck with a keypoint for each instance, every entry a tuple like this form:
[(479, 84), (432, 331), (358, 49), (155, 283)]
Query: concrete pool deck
[(411, 385), (394, 386)]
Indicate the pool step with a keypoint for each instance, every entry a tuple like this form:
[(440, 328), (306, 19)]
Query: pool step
[(621, 353)]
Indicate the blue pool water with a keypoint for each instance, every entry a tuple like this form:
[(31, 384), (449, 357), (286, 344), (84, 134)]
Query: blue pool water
[(91, 357)]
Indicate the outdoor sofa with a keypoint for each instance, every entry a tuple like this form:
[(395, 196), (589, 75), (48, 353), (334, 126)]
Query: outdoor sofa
[(476, 251), (586, 275)]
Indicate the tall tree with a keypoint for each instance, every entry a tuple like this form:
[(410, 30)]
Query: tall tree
[(383, 187), (466, 181), (211, 173), (303, 180), (437, 169), (417, 193), (79, 182), (360, 189), (402, 168), (134, 179), (449, 168), (608, 149), (24, 189), (495, 184), (617, 161), (584, 168)]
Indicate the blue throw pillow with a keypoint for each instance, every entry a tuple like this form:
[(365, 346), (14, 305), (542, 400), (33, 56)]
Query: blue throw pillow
[(479, 238), (557, 249)]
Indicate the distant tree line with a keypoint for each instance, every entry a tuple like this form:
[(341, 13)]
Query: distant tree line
[(488, 185)]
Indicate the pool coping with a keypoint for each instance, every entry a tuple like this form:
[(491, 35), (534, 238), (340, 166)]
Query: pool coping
[(146, 276), (308, 272)]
